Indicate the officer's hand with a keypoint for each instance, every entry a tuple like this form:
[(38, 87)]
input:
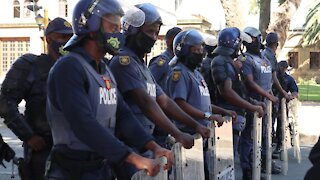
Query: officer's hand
[(274, 99), (233, 115), (36, 143), (151, 166), (186, 140), (203, 131), (219, 124), (160, 152), (217, 117), (258, 109)]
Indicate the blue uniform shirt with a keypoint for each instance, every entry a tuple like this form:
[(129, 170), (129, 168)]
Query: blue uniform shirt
[(131, 73), (190, 87), (68, 87), (271, 56), (159, 67), (291, 84)]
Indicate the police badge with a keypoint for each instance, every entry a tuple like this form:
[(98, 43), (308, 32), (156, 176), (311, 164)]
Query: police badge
[(124, 60)]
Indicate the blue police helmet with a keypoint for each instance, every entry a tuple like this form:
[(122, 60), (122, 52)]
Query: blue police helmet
[(151, 16), (253, 32), (184, 40), (87, 14), (87, 17), (228, 41)]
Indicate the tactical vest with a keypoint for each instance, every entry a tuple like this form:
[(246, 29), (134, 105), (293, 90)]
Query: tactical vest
[(27, 79), (151, 90), (198, 94), (237, 83), (102, 94), (262, 71)]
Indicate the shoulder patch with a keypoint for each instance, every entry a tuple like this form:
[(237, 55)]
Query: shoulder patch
[(176, 75), (161, 62), (124, 60)]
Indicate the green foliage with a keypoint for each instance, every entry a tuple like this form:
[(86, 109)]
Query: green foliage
[(312, 25), (253, 7), (308, 92), (281, 2)]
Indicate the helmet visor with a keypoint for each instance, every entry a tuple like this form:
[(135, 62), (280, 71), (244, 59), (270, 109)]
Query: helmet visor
[(209, 39), (245, 37)]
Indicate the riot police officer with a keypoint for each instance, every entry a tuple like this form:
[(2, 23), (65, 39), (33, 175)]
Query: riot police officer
[(159, 65), (159, 68), (209, 47), (144, 96), (270, 53), (187, 87), (85, 109), (258, 76), (226, 73), (26, 80)]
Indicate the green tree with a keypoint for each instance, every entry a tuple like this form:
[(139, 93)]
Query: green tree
[(280, 20), (312, 25)]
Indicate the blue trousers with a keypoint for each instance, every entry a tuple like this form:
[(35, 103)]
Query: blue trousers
[(246, 143)]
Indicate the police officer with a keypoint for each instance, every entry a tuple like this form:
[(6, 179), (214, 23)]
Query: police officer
[(85, 109), (144, 96), (26, 80), (258, 76), (159, 68), (209, 47), (159, 65), (289, 85), (227, 77), (270, 53), (187, 87)]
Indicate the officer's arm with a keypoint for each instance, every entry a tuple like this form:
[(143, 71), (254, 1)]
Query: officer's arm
[(128, 127), (226, 91), (292, 86), (152, 110), (255, 87), (67, 80), (278, 85), (12, 92), (180, 111)]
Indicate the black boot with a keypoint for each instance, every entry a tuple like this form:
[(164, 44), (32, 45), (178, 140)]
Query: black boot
[(246, 174)]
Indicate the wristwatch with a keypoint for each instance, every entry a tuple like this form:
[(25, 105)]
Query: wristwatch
[(207, 115)]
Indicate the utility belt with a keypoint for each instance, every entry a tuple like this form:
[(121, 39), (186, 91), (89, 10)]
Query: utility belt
[(76, 162)]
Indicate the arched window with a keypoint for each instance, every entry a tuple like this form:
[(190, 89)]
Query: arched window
[(63, 8), (16, 9), (26, 11)]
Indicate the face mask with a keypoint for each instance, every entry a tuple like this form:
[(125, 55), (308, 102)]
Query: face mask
[(58, 48), (253, 47), (193, 60), (113, 42), (144, 42)]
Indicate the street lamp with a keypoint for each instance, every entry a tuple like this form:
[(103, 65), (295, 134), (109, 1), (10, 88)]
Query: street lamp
[(40, 21)]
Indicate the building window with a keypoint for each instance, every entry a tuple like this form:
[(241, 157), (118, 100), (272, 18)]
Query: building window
[(314, 60), (10, 50), (63, 8), (16, 9), (26, 11), (293, 59)]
